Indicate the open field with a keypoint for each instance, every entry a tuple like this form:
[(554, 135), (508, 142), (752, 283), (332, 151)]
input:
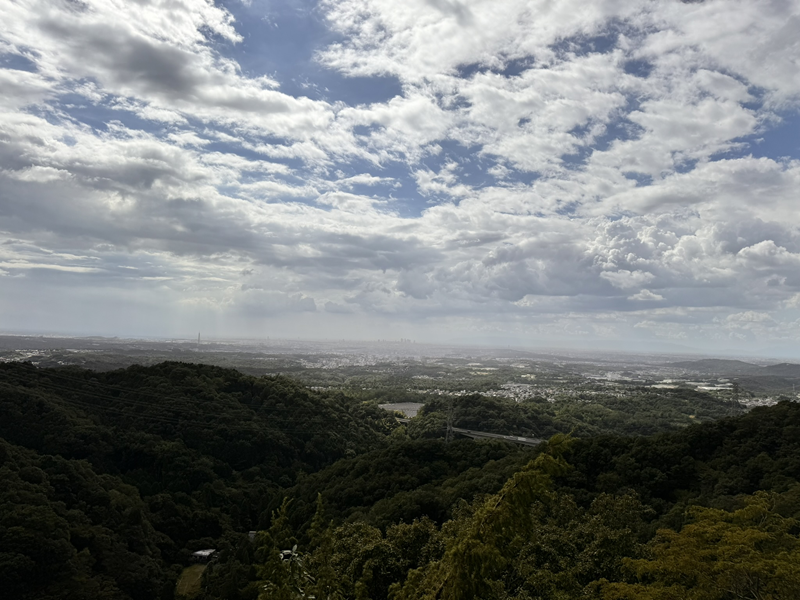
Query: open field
[(189, 581)]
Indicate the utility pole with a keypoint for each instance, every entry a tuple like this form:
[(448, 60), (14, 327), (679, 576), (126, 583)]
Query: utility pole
[(448, 436)]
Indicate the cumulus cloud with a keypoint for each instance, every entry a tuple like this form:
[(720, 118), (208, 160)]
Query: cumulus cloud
[(647, 296), (557, 168)]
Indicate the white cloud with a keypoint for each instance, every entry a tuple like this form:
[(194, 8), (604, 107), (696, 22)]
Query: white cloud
[(443, 183), (155, 59), (627, 279), (556, 175), (646, 296), (749, 316), (767, 254), (758, 41), (22, 88), (425, 39)]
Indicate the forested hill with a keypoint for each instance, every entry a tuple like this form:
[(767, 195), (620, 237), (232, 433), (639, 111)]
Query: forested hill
[(271, 423), (108, 478), (711, 463), (711, 512), (110, 481)]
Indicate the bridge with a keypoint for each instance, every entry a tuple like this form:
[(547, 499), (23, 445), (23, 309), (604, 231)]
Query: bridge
[(484, 435)]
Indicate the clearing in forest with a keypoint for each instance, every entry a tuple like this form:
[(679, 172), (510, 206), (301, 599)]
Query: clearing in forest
[(189, 581)]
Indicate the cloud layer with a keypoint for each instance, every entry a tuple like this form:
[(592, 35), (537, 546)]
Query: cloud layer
[(524, 170)]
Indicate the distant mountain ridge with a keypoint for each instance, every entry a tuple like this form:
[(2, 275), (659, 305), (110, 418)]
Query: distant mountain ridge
[(782, 370), (717, 365), (721, 366)]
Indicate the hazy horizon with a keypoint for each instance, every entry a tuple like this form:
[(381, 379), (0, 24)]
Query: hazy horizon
[(544, 347), (517, 173)]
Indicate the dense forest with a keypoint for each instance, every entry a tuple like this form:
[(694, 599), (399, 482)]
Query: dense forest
[(111, 480)]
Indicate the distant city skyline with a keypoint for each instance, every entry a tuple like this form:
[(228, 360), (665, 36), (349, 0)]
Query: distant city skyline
[(578, 174)]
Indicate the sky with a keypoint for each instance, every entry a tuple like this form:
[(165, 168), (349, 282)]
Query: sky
[(605, 173)]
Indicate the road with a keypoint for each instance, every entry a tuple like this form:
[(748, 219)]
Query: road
[(483, 435)]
